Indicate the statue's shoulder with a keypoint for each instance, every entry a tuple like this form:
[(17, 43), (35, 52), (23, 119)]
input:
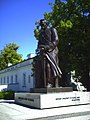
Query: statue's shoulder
[(53, 29)]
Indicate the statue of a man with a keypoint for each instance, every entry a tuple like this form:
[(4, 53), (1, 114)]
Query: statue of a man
[(47, 45)]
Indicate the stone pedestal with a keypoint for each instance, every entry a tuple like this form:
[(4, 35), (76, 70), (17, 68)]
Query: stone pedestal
[(50, 100)]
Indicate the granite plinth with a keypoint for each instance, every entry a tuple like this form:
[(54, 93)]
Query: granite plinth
[(50, 100), (51, 90)]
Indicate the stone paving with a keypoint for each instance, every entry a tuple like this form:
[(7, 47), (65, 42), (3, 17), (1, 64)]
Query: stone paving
[(11, 111)]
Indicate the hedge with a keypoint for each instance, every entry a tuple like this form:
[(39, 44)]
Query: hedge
[(7, 95)]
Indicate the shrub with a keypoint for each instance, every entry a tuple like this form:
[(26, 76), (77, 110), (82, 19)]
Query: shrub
[(1, 95), (8, 95)]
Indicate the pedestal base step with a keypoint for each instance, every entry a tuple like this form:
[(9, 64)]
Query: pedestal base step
[(51, 90)]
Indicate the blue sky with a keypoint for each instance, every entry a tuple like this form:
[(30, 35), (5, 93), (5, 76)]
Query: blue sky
[(17, 23)]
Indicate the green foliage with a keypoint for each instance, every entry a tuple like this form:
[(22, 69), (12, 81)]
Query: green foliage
[(1, 95), (36, 33), (72, 21), (8, 95), (37, 30), (9, 55)]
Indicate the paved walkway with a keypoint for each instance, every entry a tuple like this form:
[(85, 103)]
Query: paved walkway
[(11, 111)]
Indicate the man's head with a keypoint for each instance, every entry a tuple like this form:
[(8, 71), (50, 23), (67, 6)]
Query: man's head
[(43, 23)]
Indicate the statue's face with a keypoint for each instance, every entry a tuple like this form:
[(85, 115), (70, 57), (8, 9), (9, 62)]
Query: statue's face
[(43, 25)]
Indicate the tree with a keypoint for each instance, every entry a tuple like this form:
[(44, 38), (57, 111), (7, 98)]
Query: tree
[(9, 55), (71, 18)]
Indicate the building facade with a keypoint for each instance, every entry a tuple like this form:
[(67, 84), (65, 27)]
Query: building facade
[(18, 77)]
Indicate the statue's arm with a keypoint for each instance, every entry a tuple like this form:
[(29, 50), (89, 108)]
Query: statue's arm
[(55, 37)]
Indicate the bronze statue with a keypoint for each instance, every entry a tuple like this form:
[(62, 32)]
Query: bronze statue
[(48, 70)]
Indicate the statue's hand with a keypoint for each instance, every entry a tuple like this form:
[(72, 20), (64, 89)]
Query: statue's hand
[(44, 47), (41, 48)]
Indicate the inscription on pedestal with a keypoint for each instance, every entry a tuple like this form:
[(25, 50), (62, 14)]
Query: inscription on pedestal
[(71, 98), (26, 99)]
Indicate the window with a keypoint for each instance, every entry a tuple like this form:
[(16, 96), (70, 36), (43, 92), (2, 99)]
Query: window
[(24, 79), (16, 78), (7, 79), (11, 79), (29, 78), (4, 80), (1, 80)]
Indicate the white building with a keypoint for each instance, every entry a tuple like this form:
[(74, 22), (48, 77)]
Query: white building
[(18, 77)]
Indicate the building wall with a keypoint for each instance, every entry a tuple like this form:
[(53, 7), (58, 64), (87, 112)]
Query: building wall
[(18, 77)]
